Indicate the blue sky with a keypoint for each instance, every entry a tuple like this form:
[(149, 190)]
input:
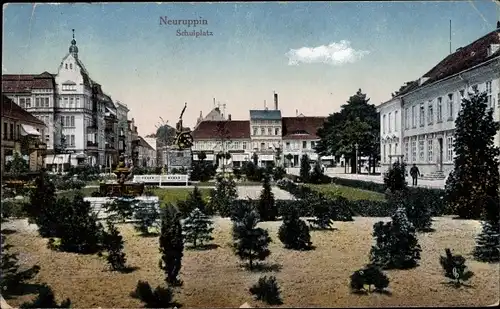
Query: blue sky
[(314, 55)]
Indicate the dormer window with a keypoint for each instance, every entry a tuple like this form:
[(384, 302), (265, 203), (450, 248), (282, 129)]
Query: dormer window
[(66, 66)]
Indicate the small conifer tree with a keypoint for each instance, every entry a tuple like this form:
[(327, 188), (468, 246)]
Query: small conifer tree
[(317, 173), (171, 244), (113, 244), (146, 216), (42, 208), (488, 243), (267, 290), (158, 298), (224, 194), (454, 268), (294, 232), (369, 276), (194, 200), (396, 243), (250, 242), (267, 207), (46, 299), (395, 177), (197, 228), (305, 168)]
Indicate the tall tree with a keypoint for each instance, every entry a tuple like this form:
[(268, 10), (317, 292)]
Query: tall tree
[(267, 206), (475, 174), (305, 168), (356, 123)]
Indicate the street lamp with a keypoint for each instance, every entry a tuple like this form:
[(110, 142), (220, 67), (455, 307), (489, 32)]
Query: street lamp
[(356, 161)]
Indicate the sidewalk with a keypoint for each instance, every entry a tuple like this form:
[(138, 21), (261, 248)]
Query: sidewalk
[(339, 173)]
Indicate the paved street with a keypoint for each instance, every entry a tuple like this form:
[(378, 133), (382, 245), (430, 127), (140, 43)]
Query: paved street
[(339, 173)]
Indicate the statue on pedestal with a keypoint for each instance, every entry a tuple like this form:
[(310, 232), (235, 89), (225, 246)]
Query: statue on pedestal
[(183, 138)]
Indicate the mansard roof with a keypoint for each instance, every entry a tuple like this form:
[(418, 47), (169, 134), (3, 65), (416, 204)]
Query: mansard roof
[(24, 83), (207, 129), (304, 127)]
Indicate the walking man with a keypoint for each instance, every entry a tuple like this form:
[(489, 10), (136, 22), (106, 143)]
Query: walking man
[(415, 173)]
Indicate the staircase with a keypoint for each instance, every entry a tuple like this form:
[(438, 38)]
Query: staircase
[(437, 175)]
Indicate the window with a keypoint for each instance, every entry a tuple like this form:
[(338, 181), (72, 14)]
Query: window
[(28, 102), (262, 145), (287, 145), (277, 131), (65, 102), (384, 156), (37, 102), (72, 121), (269, 131), (71, 66), (430, 150), (413, 117), (407, 118), (406, 151), (396, 122), (421, 149), (390, 121), (439, 109), (450, 107), (22, 102), (254, 130), (11, 127), (262, 131), (77, 102), (430, 113), (390, 152), (72, 141), (414, 151), (47, 102), (66, 66), (244, 144), (313, 144), (383, 124), (422, 114), (71, 102), (304, 145), (449, 148)]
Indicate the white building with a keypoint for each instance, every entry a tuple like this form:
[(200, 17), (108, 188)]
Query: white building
[(147, 153), (299, 138), (232, 136), (418, 123), (74, 109)]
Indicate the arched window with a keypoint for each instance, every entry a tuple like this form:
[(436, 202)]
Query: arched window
[(66, 66)]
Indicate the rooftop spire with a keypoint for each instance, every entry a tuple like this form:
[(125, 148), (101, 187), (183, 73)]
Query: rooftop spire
[(73, 49)]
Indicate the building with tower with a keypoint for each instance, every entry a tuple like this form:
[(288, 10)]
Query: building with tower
[(83, 123)]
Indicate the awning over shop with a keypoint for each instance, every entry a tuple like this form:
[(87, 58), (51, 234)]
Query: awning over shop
[(266, 157), (239, 157), (59, 159), (26, 129)]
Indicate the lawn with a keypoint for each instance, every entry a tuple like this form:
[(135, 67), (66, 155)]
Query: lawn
[(215, 278), (348, 192), (172, 195)]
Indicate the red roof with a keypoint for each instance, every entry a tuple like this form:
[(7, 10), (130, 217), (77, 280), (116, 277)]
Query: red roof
[(14, 111), (301, 127), (464, 58), (24, 83), (235, 129)]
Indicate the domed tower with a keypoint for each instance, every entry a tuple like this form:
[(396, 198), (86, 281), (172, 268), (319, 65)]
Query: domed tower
[(73, 49)]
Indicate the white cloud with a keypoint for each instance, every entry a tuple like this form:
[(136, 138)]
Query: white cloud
[(334, 54)]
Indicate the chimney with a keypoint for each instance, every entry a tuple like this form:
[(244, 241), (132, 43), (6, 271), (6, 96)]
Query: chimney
[(229, 117), (265, 105), (275, 101)]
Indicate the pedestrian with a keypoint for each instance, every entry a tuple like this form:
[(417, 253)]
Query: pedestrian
[(415, 173)]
